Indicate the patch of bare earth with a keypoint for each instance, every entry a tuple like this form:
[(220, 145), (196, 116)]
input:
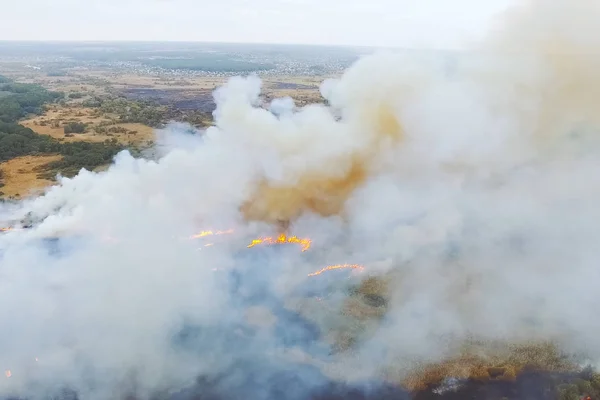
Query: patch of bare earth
[(188, 93), (21, 175)]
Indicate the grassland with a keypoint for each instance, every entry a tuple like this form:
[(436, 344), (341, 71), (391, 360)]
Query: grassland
[(51, 123), (121, 107), (22, 175)]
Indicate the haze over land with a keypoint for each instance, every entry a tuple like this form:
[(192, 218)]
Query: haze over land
[(420, 219), (122, 91)]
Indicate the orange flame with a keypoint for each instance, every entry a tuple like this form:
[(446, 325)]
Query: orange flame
[(339, 266), (211, 233), (8, 373), (305, 243), (10, 229)]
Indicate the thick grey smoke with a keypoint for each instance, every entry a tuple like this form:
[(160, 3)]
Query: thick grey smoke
[(474, 193)]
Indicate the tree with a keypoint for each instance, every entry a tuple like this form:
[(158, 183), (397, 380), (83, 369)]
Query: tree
[(74, 127)]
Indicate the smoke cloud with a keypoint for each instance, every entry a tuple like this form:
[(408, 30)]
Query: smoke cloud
[(469, 193)]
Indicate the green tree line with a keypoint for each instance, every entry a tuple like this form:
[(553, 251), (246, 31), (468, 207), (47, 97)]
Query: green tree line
[(19, 100)]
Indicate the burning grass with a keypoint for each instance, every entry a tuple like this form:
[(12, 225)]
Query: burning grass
[(530, 384), (339, 266), (281, 239), (482, 367), (480, 370), (487, 361)]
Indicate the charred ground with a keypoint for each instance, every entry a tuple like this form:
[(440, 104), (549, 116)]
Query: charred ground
[(530, 384)]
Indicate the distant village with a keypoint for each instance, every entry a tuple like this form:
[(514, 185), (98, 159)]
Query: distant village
[(282, 66)]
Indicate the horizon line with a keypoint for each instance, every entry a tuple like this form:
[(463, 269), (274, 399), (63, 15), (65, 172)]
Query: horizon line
[(206, 42)]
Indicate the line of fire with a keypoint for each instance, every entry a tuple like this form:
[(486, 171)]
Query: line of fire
[(304, 244)]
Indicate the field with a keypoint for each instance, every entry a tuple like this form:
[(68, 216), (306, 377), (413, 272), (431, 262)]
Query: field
[(21, 175), (43, 124), (159, 82)]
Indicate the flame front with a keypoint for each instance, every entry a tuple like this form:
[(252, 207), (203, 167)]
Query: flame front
[(211, 233), (281, 239), (5, 229), (305, 243), (339, 266)]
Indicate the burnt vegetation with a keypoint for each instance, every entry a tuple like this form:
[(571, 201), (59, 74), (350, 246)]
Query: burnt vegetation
[(530, 384), (154, 113), (126, 111), (286, 385)]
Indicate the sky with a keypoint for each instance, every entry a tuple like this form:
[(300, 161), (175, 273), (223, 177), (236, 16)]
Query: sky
[(403, 23)]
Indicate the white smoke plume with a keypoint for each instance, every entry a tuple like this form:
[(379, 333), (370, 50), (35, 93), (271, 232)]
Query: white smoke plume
[(476, 191)]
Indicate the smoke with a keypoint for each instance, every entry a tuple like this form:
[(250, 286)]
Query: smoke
[(471, 195)]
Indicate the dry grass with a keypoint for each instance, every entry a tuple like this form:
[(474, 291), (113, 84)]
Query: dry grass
[(192, 84), (21, 175), (79, 80), (195, 83), (486, 361), (479, 360), (154, 82), (67, 84), (86, 115)]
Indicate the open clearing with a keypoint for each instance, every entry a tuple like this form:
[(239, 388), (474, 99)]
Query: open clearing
[(49, 124), (21, 175)]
